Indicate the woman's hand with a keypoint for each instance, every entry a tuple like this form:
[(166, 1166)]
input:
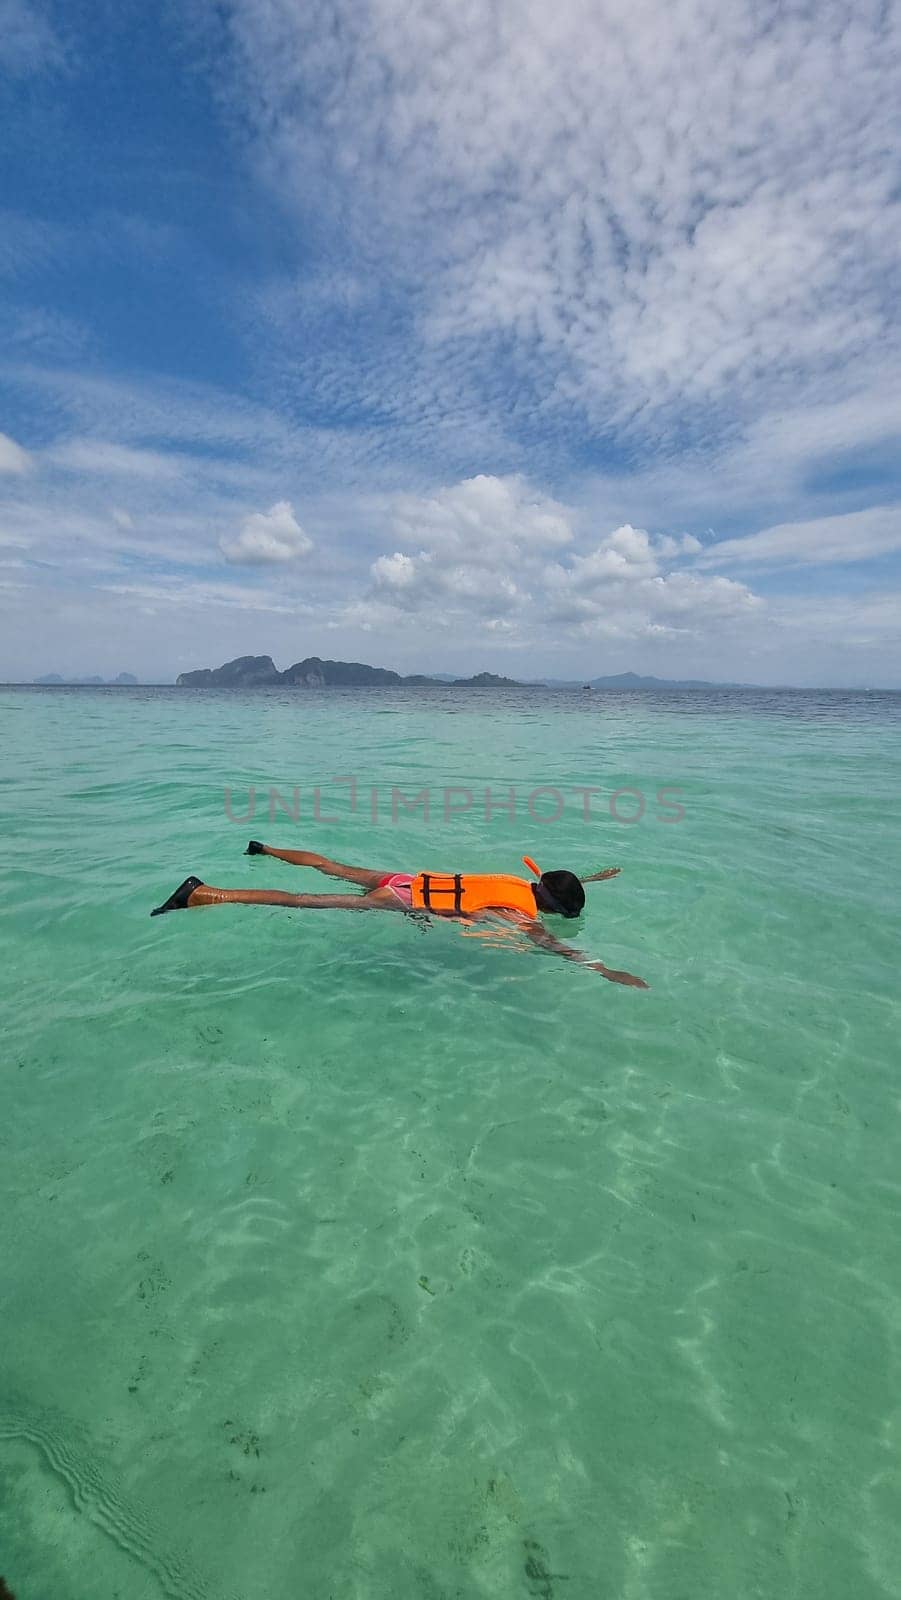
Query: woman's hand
[(628, 978)]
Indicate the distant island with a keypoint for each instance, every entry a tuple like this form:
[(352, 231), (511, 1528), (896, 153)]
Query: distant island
[(633, 680), (253, 672), (260, 672), (126, 678)]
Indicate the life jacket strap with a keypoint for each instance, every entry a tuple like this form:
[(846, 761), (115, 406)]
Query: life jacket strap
[(429, 890)]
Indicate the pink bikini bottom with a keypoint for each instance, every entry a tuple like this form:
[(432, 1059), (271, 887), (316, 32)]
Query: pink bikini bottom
[(399, 883)]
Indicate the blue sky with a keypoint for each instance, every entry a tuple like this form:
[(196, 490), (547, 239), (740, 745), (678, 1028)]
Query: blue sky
[(556, 340)]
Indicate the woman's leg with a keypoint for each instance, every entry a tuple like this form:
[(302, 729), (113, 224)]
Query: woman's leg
[(379, 900), (367, 877)]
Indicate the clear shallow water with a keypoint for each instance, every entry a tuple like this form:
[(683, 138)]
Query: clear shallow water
[(343, 1260)]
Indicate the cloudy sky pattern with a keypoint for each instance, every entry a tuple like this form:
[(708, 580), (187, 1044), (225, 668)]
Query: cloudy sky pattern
[(547, 339)]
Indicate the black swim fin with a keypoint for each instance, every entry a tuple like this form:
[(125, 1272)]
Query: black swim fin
[(179, 900), (254, 848)]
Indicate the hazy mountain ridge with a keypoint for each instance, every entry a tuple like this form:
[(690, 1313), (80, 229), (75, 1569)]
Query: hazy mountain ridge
[(251, 672), (635, 680), (125, 678)]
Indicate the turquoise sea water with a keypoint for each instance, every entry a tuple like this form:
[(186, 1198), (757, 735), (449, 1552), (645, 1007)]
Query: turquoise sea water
[(345, 1260)]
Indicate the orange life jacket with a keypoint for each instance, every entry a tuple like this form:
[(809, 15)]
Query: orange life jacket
[(464, 894)]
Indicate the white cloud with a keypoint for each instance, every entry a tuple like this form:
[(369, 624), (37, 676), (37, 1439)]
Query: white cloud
[(494, 554), (855, 536), (267, 538), (186, 594), (480, 571), (627, 553), (108, 459), (561, 608), (482, 519), (686, 544), (659, 208), (621, 588), (589, 232), (471, 542), (395, 572), (240, 440), (12, 457)]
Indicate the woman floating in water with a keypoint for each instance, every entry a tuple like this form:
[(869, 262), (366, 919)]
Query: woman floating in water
[(464, 896)]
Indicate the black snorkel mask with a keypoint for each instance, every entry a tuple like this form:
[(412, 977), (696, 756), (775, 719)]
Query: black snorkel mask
[(546, 900), (549, 902)]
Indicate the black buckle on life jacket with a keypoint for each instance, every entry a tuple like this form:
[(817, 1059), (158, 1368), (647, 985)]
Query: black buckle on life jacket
[(429, 890)]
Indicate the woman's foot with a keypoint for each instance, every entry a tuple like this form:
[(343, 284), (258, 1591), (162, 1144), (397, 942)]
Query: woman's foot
[(179, 900)]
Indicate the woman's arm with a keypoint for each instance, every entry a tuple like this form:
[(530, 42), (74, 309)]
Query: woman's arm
[(539, 935)]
